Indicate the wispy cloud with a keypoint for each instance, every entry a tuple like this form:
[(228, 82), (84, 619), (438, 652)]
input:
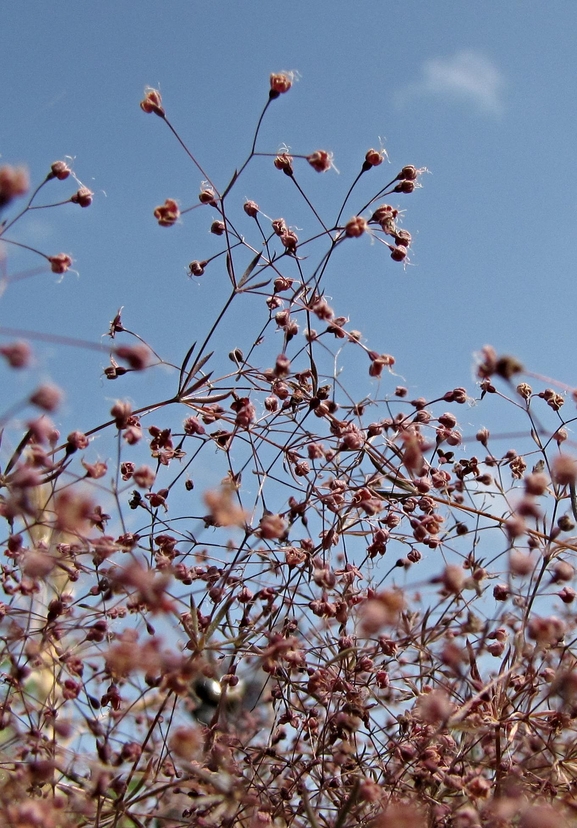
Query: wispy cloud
[(465, 76)]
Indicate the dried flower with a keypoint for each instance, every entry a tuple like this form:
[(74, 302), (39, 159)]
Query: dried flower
[(60, 263), (320, 160), (168, 213), (152, 102)]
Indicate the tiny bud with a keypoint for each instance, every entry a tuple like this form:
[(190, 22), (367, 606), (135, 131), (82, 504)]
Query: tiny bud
[(403, 237), (207, 196), (196, 268), (290, 241), (280, 82), (76, 440), (501, 592), (152, 102), (320, 160), (408, 173), (398, 254), (284, 162), (59, 170), (83, 197), (564, 470), (251, 208), (562, 571), (46, 397), (355, 227), (567, 595), (373, 158), (17, 354), (483, 436), (60, 263), (137, 356), (218, 228), (565, 523), (404, 187)]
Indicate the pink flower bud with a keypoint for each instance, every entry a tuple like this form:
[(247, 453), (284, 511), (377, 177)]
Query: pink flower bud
[(17, 354), (404, 187), (47, 397), (271, 527), (217, 228), (83, 197), (280, 82), (251, 208), (152, 102), (399, 253), (355, 227), (137, 356), (207, 196), (60, 263), (409, 173), (320, 160), (374, 157), (290, 241), (284, 162), (564, 470), (59, 170)]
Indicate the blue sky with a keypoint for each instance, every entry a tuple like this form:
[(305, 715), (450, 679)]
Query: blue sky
[(482, 94)]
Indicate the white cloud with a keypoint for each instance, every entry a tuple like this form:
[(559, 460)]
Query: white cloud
[(465, 76)]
